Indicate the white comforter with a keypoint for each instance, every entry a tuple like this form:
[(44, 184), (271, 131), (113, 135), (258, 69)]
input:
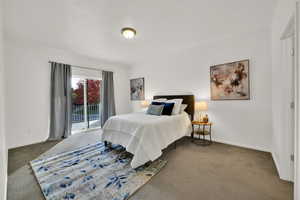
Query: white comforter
[(145, 135)]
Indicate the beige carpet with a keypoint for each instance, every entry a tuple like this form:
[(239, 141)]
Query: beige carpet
[(193, 172)]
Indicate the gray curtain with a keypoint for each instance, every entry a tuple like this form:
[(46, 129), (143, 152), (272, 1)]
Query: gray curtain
[(61, 101), (107, 96)]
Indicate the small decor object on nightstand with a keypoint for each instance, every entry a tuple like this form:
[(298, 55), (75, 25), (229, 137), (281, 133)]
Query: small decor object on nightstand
[(205, 119), (203, 129)]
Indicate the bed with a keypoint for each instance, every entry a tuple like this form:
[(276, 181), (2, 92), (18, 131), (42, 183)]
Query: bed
[(145, 136)]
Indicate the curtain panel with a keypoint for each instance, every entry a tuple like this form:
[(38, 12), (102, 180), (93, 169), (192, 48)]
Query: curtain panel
[(61, 101), (107, 97)]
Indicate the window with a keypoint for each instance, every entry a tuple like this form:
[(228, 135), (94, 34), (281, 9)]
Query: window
[(85, 99)]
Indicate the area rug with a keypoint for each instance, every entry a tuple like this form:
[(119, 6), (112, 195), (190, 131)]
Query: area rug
[(92, 172)]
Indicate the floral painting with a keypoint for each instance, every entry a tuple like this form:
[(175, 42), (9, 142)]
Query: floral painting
[(230, 81), (137, 89)]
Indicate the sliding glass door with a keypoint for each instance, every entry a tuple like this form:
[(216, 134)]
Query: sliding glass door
[(93, 103), (79, 121), (85, 103)]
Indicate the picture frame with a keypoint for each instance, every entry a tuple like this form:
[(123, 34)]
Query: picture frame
[(137, 89), (230, 81)]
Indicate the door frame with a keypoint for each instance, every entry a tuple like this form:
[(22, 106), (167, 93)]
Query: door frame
[(297, 108), (289, 113), (292, 29), (289, 37)]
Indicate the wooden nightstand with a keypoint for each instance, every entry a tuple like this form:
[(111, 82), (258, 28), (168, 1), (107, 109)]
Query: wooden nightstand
[(204, 129)]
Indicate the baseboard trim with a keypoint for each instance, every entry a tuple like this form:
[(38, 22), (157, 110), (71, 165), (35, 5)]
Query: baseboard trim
[(26, 145), (275, 159), (242, 145)]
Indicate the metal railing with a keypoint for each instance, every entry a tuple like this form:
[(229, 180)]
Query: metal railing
[(93, 113)]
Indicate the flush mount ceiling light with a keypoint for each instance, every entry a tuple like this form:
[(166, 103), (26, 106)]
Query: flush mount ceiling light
[(128, 33)]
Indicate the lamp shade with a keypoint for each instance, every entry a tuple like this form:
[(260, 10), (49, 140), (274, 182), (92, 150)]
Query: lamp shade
[(145, 104), (201, 106)]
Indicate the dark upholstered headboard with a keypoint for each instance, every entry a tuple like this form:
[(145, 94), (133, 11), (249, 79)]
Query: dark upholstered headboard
[(187, 99)]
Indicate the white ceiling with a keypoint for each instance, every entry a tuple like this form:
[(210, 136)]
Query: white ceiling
[(92, 27)]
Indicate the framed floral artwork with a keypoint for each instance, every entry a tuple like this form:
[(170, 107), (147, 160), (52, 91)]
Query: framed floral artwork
[(230, 81), (137, 89)]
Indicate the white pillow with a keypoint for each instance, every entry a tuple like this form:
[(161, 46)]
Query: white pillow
[(182, 108), (159, 100), (177, 104)]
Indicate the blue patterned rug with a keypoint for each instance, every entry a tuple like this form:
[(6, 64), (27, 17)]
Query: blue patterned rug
[(92, 172)]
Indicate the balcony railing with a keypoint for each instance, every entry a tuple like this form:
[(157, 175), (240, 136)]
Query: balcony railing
[(93, 113)]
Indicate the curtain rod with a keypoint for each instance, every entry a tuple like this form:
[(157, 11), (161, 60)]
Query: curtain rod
[(90, 68)]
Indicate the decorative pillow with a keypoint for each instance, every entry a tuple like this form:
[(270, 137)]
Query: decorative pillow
[(159, 100), (177, 103), (155, 109), (168, 107), (183, 107)]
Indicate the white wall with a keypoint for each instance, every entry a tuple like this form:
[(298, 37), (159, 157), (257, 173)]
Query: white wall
[(28, 82), (3, 150), (282, 15), (243, 123)]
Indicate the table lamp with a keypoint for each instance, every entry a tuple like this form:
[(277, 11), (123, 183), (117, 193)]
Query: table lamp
[(145, 103), (200, 107)]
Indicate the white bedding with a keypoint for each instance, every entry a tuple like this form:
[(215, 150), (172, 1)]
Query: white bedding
[(145, 135)]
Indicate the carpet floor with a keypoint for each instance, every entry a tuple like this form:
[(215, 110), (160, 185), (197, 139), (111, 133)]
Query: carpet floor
[(193, 172)]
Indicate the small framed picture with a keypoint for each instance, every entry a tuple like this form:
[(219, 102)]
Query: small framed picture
[(230, 81), (137, 89)]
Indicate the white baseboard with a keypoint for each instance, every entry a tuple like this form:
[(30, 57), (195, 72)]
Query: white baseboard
[(276, 164), (276, 161), (241, 145), (284, 175)]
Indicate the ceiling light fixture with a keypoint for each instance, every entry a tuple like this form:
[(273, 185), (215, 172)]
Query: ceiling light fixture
[(128, 33)]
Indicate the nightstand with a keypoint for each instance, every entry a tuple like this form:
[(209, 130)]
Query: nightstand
[(204, 129)]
